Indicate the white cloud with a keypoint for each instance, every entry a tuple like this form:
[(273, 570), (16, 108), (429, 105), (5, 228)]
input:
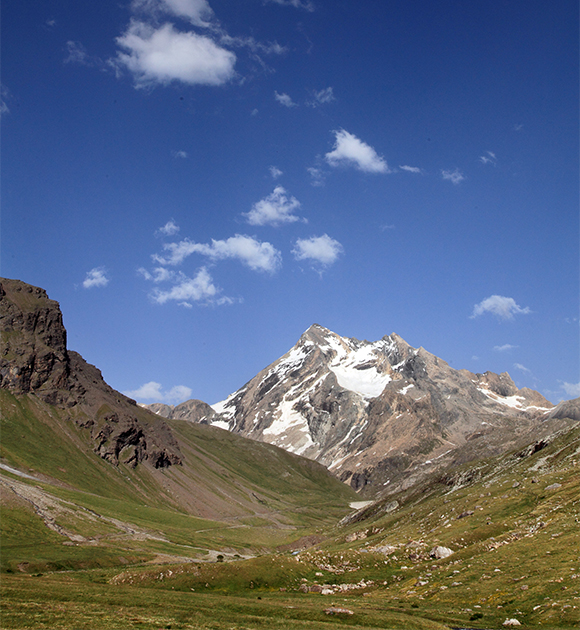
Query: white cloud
[(153, 391), (160, 274), (4, 96), (275, 172), (96, 278), (350, 151), (169, 229), (572, 389), (489, 158), (161, 55), (77, 53), (455, 177), (411, 169), (258, 256), (504, 348), (318, 249), (322, 97), (285, 100), (197, 289), (298, 4), (317, 176), (198, 12), (275, 209), (180, 154), (500, 306), (523, 368)]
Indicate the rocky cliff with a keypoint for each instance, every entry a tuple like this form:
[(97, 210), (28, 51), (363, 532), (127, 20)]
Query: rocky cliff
[(35, 361)]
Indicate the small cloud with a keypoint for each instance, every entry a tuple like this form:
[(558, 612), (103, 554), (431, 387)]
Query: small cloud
[(297, 4), (571, 389), (322, 97), (350, 151), (179, 154), (489, 158), (275, 209), (522, 368), (387, 227), (169, 229), (518, 127), (317, 176), (285, 100), (455, 177), (153, 392), (504, 348), (96, 278), (162, 55), (411, 169), (322, 250), (50, 23), (77, 53), (500, 306), (254, 112), (275, 172), (4, 96), (200, 288), (258, 256), (198, 12)]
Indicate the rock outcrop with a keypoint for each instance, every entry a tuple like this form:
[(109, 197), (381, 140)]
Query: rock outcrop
[(34, 360)]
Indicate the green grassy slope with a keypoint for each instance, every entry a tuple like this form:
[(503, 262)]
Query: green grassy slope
[(74, 509)]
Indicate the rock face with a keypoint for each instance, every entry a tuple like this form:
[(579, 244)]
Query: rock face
[(34, 360), (378, 414)]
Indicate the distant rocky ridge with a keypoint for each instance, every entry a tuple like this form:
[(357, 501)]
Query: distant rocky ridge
[(34, 360), (379, 415)]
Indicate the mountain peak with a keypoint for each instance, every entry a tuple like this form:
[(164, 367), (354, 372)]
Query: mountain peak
[(375, 412)]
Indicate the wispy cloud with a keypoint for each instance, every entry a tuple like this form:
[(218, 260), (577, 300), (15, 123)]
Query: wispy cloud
[(163, 54), (322, 97), (275, 172), (317, 176), (505, 348), (275, 209), (488, 158), (258, 256), (4, 97), (572, 389), (500, 306), (455, 177), (96, 277), (198, 12), (182, 155), (350, 151), (169, 229), (153, 392), (298, 4), (321, 250), (522, 368), (285, 100), (411, 169), (77, 53)]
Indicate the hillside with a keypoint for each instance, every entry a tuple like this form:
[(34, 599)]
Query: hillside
[(89, 477)]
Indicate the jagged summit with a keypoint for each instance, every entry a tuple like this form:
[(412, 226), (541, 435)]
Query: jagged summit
[(377, 412)]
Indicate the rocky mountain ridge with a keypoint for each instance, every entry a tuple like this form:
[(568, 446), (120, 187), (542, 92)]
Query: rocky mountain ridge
[(379, 415), (34, 359)]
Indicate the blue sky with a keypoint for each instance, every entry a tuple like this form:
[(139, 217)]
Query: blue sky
[(197, 182)]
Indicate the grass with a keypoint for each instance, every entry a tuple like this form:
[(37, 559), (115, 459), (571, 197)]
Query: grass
[(515, 538)]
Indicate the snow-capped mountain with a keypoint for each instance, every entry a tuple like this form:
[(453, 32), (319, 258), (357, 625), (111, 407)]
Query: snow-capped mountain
[(378, 413)]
